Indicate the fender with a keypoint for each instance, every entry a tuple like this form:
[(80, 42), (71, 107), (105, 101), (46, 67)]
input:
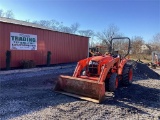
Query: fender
[(121, 65)]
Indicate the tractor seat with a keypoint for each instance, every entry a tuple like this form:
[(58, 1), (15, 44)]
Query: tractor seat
[(115, 54)]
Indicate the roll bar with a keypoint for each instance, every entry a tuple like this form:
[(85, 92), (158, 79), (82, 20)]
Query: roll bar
[(129, 44)]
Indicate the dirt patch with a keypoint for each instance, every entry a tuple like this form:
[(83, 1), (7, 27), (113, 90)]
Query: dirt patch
[(145, 71), (30, 96)]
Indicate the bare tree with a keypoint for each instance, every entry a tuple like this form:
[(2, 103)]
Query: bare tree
[(35, 22), (156, 39), (9, 14), (1, 13), (66, 29), (88, 33), (45, 23), (74, 27), (106, 35), (136, 44), (27, 20), (156, 42), (55, 25), (58, 26)]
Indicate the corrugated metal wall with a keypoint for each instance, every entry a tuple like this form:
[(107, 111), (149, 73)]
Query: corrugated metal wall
[(64, 47)]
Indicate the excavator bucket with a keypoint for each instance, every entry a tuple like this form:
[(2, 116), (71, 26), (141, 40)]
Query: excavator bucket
[(81, 88)]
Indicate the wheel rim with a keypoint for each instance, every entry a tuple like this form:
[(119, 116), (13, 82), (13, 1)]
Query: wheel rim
[(116, 84), (130, 75)]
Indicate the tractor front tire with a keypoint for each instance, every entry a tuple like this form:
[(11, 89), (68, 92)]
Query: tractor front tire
[(113, 82), (127, 75)]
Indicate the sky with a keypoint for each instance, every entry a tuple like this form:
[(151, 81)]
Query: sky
[(132, 17)]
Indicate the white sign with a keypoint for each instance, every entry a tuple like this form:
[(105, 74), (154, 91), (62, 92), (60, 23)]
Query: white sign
[(20, 41)]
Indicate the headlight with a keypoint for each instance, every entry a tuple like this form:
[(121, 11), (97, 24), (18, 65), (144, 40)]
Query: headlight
[(90, 62), (93, 63)]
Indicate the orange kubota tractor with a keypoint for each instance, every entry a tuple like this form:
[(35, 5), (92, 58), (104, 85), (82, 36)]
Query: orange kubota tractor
[(95, 75)]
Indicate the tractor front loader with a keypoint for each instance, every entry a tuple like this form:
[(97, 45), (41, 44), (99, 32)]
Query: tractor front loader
[(95, 75)]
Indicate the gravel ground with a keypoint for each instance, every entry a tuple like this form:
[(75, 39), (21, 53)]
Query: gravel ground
[(29, 95)]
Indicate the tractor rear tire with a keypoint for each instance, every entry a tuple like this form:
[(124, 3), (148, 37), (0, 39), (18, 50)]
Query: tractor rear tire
[(127, 75), (113, 82)]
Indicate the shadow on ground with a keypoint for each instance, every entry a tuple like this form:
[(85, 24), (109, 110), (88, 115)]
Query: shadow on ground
[(136, 95)]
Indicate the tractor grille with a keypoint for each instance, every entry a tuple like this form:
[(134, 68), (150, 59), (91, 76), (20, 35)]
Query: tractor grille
[(93, 69)]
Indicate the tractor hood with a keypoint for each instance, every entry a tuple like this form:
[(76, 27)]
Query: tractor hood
[(102, 58)]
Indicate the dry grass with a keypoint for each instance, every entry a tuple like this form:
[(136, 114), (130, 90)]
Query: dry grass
[(142, 57)]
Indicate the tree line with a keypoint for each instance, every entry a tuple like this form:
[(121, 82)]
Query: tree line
[(96, 38)]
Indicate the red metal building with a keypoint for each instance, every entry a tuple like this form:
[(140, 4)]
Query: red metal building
[(64, 47)]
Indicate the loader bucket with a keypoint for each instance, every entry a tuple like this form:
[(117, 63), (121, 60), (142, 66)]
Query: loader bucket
[(81, 88)]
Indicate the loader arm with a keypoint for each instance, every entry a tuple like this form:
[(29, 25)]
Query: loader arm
[(106, 69), (80, 66)]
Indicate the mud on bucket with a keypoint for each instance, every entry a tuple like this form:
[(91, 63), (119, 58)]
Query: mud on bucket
[(81, 88)]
